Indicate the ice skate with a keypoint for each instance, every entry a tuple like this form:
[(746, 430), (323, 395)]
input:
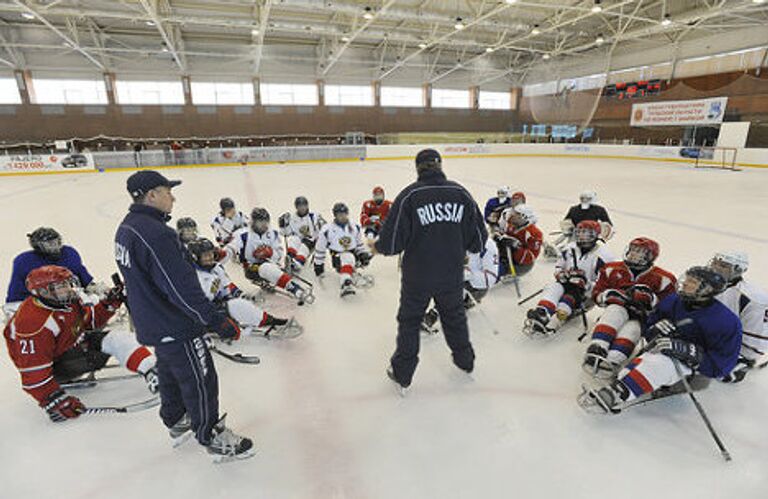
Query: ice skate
[(228, 446)]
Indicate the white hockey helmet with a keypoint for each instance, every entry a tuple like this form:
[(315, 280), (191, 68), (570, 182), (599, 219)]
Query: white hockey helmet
[(526, 213), (587, 199), (730, 264), (503, 193)]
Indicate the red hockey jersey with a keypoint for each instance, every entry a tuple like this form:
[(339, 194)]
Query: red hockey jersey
[(373, 214), (37, 335), (616, 275), (531, 239)]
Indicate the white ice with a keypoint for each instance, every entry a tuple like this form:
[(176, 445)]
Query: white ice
[(324, 418)]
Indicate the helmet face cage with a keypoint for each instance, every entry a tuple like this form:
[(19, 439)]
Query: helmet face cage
[(226, 204), (502, 193), (62, 292), (587, 198), (302, 205), (518, 198), (378, 195), (726, 267), (51, 247), (699, 286), (340, 213), (638, 256), (260, 220), (586, 236), (187, 234)]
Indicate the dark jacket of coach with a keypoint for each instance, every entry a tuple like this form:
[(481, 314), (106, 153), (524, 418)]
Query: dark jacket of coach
[(434, 222)]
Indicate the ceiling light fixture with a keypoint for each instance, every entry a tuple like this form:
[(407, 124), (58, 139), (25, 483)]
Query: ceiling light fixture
[(546, 57), (488, 50), (27, 15), (666, 21), (459, 24), (597, 8), (345, 39), (599, 40), (368, 14), (149, 23), (422, 45), (535, 30), (511, 2)]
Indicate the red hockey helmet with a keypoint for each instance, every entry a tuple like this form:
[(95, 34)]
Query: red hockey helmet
[(587, 232), (53, 283), (641, 253), (378, 194), (518, 198)]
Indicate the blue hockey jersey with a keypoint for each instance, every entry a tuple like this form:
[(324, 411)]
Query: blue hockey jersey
[(28, 261), (494, 205), (715, 330)]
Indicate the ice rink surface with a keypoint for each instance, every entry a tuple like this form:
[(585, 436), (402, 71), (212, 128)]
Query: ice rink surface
[(324, 418)]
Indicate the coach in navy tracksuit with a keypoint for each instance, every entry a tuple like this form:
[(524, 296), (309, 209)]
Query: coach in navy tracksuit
[(168, 307), (433, 222)]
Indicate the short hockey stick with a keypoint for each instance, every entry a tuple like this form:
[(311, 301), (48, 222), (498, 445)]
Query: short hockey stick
[(581, 306), (126, 409), (236, 357), (513, 271), (530, 297), (723, 451)]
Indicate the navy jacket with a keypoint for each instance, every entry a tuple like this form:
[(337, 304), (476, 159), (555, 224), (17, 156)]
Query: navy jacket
[(433, 222), (164, 295), (30, 260), (595, 212)]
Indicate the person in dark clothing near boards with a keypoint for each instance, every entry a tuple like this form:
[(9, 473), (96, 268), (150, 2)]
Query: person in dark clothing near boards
[(171, 313), (433, 223)]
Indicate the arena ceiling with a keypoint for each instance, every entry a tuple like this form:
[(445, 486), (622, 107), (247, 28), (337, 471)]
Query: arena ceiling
[(446, 42)]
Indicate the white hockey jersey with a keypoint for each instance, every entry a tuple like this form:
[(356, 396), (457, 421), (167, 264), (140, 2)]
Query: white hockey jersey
[(482, 269), (306, 227), (224, 228), (216, 283), (750, 304), (245, 241), (339, 239), (590, 263)]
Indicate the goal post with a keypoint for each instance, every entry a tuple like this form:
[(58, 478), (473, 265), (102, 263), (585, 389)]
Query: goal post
[(717, 157)]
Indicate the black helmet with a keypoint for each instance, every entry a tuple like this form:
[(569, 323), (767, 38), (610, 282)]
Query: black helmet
[(710, 284), (259, 220), (260, 214), (46, 241), (185, 223), (197, 248), (339, 208), (226, 204), (186, 228), (300, 201)]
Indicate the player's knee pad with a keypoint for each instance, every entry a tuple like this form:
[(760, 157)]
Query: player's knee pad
[(245, 312), (127, 351), (346, 263), (552, 292), (270, 272), (615, 316)]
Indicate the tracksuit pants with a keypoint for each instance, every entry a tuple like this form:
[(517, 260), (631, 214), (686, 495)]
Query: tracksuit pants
[(188, 383), (413, 304)]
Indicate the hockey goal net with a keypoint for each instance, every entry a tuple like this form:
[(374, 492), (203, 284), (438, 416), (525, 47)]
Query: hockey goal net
[(717, 157)]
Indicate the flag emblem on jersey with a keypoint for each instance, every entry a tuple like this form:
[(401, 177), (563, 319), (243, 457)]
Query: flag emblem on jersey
[(304, 230), (345, 242)]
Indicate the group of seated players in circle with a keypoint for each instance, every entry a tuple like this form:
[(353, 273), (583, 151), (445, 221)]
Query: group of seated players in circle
[(652, 330)]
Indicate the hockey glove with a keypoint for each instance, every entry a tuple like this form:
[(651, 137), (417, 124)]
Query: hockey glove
[(561, 277), (263, 253), (284, 220), (686, 352), (252, 271), (115, 297), (319, 270), (226, 328), (643, 298), (61, 406), (577, 278), (662, 328), (612, 297), (219, 254)]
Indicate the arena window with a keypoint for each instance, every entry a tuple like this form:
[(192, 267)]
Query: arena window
[(494, 100), (348, 95), (9, 91), (60, 91), (457, 99), (217, 93), (150, 92), (286, 94), (402, 97)]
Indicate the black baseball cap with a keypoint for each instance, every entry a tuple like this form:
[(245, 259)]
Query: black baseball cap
[(428, 156), (144, 181)]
